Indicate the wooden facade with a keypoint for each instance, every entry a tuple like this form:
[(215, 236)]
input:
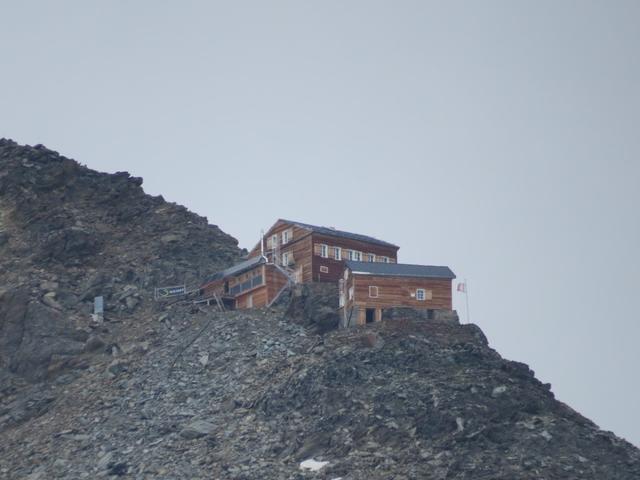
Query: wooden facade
[(365, 293), (318, 254), (291, 247), (367, 269), (251, 287)]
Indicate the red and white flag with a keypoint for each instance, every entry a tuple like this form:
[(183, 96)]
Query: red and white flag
[(462, 287)]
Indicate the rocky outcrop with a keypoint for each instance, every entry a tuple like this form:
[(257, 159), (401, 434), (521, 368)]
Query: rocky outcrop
[(176, 390), (32, 333), (246, 395), (314, 305), (68, 234), (395, 313)]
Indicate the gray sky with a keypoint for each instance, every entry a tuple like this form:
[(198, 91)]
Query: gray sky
[(499, 138)]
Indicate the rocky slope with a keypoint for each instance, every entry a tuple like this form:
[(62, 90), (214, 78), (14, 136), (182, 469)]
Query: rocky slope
[(67, 234), (173, 390)]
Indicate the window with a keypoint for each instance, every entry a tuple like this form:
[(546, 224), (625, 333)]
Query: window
[(324, 269), (373, 291), (355, 255), (285, 237), (324, 251), (285, 259), (337, 253), (384, 259), (371, 257), (420, 294), (274, 241)]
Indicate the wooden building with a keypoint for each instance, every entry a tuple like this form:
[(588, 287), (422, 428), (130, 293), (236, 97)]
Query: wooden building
[(367, 289), (310, 253), (371, 281), (252, 283)]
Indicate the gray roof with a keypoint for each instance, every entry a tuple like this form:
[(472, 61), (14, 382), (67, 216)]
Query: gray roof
[(340, 233), (237, 269), (400, 270)]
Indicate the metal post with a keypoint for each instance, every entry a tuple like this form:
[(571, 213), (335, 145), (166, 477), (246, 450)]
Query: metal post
[(466, 295)]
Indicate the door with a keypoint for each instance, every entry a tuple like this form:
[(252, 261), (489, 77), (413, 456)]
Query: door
[(370, 316)]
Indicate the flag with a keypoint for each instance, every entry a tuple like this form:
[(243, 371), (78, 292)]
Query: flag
[(462, 287)]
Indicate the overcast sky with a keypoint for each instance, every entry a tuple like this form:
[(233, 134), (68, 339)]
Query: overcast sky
[(499, 138)]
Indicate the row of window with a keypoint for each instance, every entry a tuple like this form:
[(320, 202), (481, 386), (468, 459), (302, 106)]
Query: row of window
[(420, 294), (246, 285), (353, 255), (246, 276)]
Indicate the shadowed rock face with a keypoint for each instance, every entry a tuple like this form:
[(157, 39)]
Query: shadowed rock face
[(315, 305), (32, 334), (67, 234), (171, 390)]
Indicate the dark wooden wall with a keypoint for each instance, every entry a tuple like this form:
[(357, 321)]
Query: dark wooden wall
[(336, 267)]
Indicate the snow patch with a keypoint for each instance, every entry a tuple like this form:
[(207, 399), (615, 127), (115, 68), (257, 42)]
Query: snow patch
[(312, 465)]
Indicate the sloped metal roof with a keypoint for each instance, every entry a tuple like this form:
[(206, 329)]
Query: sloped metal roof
[(339, 233), (400, 270), (237, 269)]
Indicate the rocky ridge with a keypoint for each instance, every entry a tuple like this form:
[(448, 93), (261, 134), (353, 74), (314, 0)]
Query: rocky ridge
[(68, 234), (250, 395), (173, 390)]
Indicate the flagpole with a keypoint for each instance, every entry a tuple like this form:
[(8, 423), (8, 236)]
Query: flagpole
[(466, 295)]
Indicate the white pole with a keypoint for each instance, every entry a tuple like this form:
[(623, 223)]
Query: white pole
[(466, 294), (262, 242)]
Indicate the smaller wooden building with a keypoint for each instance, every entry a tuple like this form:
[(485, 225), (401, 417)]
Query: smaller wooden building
[(252, 283), (367, 289)]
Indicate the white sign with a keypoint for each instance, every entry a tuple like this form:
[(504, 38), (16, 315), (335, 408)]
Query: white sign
[(173, 291)]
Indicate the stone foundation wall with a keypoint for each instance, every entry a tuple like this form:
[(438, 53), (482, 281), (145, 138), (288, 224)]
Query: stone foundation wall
[(441, 316)]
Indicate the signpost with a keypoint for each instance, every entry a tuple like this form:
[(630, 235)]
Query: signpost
[(168, 292)]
